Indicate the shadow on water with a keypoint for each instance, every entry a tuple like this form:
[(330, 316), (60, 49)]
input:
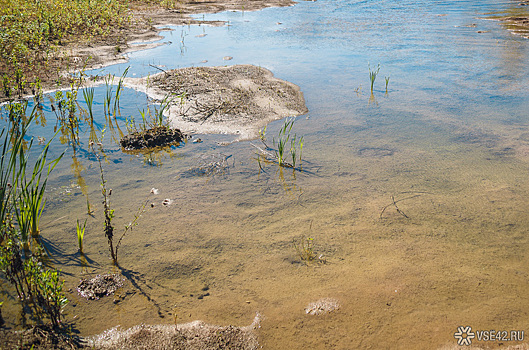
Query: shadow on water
[(142, 285), (56, 256)]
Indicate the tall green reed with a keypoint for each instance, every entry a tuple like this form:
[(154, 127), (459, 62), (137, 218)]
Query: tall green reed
[(288, 144), (80, 235), (373, 75)]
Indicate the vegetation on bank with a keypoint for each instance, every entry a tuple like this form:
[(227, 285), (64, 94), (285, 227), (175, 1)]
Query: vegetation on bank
[(33, 34)]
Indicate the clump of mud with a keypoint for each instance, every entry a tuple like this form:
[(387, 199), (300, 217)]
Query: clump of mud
[(322, 306), (100, 286), (150, 138), (194, 335)]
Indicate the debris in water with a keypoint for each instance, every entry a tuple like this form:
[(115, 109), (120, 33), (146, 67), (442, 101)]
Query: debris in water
[(100, 286), (322, 306)]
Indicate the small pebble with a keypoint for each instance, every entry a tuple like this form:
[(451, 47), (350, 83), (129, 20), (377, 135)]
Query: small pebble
[(197, 141), (227, 58)]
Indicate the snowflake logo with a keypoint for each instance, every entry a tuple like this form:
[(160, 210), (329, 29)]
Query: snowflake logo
[(464, 335)]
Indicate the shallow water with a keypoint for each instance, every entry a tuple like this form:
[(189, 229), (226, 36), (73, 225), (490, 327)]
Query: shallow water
[(448, 144)]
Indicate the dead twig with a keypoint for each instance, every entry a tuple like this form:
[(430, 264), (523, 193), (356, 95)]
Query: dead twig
[(394, 203), (163, 70)]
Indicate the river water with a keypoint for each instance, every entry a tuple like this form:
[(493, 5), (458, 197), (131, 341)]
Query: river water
[(415, 196)]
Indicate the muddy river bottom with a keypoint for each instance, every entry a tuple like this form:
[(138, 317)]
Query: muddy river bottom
[(413, 239)]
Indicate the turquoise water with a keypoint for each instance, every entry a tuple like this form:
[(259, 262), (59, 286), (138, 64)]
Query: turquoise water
[(448, 142)]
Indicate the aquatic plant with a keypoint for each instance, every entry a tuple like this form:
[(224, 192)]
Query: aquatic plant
[(387, 83), (89, 210), (305, 249), (80, 235), (119, 89), (29, 201), (287, 144), (262, 134), (38, 288), (280, 153), (373, 75), (47, 288), (88, 95), (109, 83), (112, 99), (32, 192), (109, 212), (159, 112), (286, 138), (150, 119), (294, 146), (64, 105), (128, 227), (93, 137)]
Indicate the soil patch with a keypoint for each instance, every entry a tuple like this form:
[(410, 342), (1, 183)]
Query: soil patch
[(150, 138), (237, 100), (180, 14), (100, 286), (194, 335)]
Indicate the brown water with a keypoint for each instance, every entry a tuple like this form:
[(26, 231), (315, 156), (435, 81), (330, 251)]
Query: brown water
[(448, 146)]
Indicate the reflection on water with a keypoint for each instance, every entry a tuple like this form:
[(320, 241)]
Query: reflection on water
[(416, 198)]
